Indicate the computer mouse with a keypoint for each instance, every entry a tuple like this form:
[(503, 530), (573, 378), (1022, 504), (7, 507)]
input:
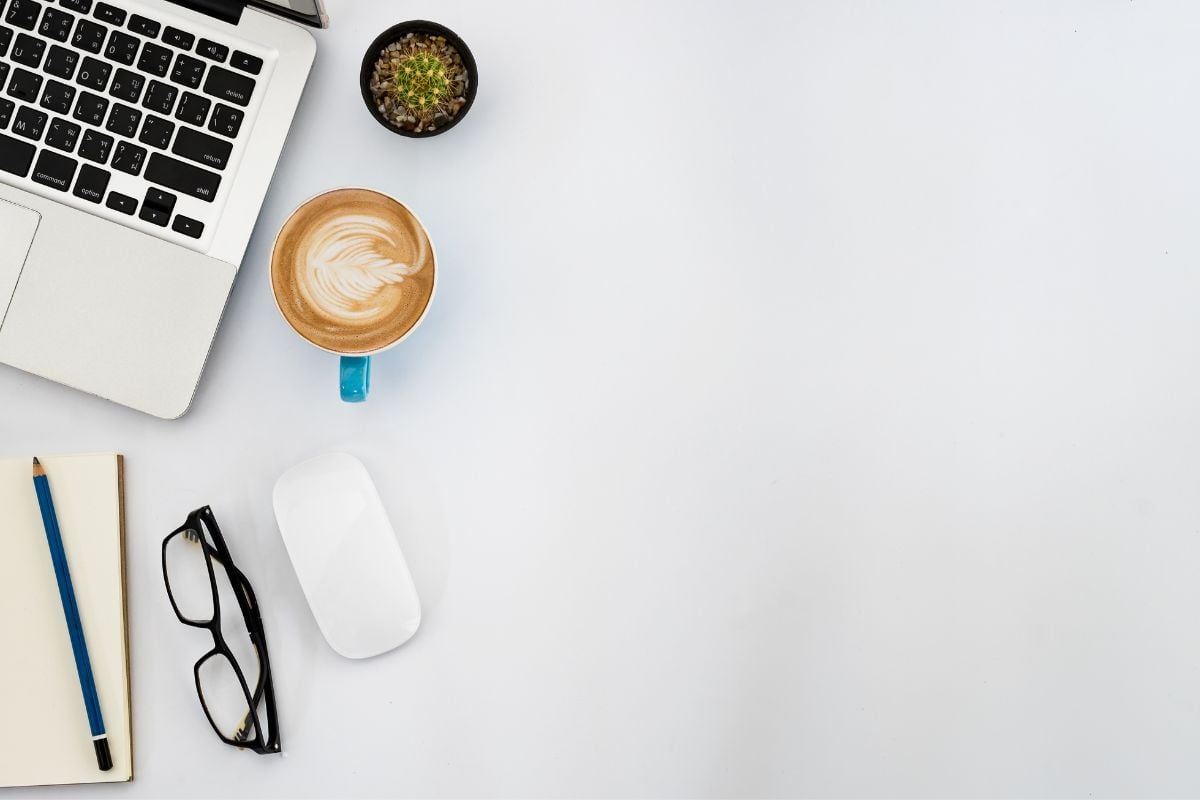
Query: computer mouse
[(346, 556)]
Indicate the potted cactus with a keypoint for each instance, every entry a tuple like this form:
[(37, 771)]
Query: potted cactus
[(418, 79)]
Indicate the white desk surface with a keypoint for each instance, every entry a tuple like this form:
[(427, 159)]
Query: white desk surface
[(811, 406)]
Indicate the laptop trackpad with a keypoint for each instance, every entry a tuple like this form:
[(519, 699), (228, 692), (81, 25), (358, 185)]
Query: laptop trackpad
[(17, 227)]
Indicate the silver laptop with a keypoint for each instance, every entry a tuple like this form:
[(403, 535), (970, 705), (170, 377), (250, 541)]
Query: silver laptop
[(137, 141)]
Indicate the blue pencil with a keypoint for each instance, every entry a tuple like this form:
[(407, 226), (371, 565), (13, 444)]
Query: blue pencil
[(66, 592)]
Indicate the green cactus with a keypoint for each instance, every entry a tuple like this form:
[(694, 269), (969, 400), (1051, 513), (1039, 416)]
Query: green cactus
[(421, 83)]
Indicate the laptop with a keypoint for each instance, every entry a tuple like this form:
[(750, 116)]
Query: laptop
[(137, 142)]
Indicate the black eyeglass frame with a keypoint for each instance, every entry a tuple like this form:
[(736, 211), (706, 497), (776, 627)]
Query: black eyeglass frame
[(199, 522)]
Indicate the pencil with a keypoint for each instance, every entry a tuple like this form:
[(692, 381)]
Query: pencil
[(66, 593)]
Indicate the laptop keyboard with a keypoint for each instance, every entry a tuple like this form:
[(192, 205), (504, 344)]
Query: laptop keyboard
[(120, 110)]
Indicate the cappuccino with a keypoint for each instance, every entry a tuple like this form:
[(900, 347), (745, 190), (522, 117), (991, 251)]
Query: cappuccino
[(353, 271)]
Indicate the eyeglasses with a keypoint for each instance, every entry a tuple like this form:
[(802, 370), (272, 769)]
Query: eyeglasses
[(234, 677)]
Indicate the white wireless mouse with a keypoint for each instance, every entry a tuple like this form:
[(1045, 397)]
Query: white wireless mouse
[(346, 556)]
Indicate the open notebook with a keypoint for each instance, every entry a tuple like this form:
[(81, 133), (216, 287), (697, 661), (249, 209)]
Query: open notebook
[(45, 737)]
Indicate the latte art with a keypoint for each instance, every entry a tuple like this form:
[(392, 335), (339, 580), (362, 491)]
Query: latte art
[(353, 271), (350, 259)]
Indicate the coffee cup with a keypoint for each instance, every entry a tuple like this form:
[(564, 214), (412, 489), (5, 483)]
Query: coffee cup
[(353, 271)]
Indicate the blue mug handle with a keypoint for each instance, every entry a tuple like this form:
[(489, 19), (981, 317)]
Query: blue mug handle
[(355, 378)]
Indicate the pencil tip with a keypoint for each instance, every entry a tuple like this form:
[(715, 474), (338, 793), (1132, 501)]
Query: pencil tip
[(35, 461)]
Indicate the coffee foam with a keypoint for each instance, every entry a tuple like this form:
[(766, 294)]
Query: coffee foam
[(352, 271)]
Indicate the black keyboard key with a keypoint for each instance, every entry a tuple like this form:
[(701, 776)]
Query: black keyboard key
[(182, 177), (54, 170), (188, 71), (246, 62), (146, 27), (202, 148), (129, 158), (177, 38), (4, 68), (62, 135), (93, 74), (29, 123), (122, 48), (188, 227), (7, 107), (95, 146), (110, 14), (226, 85), (15, 156), (155, 59), (61, 62), (157, 132), (127, 86), (92, 183), (6, 35), (82, 6), (124, 121), (56, 24), (160, 97), (58, 97), (193, 109), (28, 50), (90, 108), (226, 121), (154, 216), (157, 207), (25, 85), (89, 36), (121, 202), (212, 50), (164, 201), (23, 13)]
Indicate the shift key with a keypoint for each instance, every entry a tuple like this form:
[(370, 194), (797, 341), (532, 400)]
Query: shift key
[(226, 85), (182, 177)]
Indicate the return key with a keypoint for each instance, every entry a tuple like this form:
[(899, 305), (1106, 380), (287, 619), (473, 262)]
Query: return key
[(202, 148)]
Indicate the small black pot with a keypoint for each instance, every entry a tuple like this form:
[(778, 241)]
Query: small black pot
[(394, 34)]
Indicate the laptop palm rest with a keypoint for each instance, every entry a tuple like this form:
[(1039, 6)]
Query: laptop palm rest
[(109, 310), (18, 225)]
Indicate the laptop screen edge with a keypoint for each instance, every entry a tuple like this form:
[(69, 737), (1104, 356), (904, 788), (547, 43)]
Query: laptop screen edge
[(309, 12)]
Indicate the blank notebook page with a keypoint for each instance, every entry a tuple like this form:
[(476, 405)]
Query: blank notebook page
[(44, 738)]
